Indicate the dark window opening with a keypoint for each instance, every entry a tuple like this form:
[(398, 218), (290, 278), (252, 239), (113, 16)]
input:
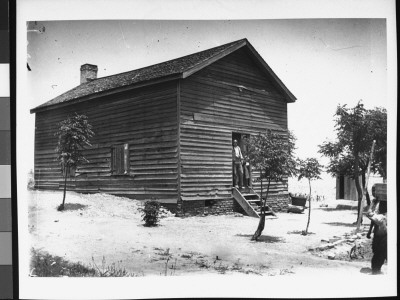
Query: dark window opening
[(208, 203), (120, 159), (341, 187)]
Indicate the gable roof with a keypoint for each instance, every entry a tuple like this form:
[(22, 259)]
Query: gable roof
[(173, 69)]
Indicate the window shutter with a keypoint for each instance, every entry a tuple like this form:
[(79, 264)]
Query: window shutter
[(113, 169), (126, 158), (120, 159)]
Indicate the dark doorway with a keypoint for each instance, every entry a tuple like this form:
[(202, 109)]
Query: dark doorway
[(341, 187), (241, 138)]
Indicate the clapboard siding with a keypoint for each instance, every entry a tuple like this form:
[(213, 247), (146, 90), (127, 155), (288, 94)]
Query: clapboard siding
[(230, 95), (144, 118), (179, 132)]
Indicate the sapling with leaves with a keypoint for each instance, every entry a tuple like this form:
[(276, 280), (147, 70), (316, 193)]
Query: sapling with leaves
[(74, 135), (309, 169), (271, 153)]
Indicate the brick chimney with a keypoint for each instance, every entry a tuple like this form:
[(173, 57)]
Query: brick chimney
[(88, 73)]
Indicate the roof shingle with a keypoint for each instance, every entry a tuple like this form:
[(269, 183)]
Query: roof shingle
[(168, 68)]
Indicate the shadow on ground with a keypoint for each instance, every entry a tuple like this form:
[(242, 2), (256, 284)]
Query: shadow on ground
[(74, 206), (299, 232), (339, 207), (265, 238), (366, 270), (339, 224)]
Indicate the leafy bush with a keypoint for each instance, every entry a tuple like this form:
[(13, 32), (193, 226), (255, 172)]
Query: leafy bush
[(150, 213)]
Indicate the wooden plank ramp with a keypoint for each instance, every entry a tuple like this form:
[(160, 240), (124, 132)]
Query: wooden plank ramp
[(250, 201)]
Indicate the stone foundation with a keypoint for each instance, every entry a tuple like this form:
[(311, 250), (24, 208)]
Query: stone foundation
[(279, 203), (205, 207)]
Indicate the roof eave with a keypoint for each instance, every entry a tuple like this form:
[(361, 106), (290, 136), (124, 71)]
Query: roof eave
[(106, 92), (289, 96), (208, 62)]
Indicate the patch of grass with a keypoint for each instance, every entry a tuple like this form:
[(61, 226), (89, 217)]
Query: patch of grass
[(112, 270), (285, 271), (202, 263), (221, 268), (46, 265), (172, 267)]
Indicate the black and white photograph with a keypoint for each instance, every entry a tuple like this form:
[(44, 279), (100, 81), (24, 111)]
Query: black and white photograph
[(183, 151)]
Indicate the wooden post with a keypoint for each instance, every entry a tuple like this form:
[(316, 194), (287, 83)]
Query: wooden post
[(365, 187)]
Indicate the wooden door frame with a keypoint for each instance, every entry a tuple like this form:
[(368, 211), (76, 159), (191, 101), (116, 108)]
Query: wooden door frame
[(236, 133)]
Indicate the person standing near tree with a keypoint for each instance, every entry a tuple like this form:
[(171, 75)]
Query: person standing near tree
[(237, 159)]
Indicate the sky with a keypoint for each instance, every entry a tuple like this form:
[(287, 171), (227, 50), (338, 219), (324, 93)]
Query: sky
[(323, 62)]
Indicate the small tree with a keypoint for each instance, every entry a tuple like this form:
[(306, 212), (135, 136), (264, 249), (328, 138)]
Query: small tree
[(272, 154), (73, 135), (309, 169)]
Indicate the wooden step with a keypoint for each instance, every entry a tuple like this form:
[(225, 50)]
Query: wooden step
[(253, 200), (251, 203), (244, 203), (249, 194)]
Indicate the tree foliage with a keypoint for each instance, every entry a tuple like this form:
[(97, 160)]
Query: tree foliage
[(272, 155), (74, 135), (309, 169), (356, 128)]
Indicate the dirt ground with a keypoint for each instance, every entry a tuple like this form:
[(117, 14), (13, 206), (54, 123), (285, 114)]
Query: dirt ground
[(107, 230)]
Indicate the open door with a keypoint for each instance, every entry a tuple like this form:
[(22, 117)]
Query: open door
[(341, 187), (241, 137)]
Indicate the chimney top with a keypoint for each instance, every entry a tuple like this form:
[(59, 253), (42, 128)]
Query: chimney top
[(88, 73)]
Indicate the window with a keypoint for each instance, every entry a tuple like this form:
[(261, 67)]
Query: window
[(120, 159)]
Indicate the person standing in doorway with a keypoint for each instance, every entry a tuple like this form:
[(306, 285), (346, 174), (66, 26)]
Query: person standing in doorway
[(237, 159)]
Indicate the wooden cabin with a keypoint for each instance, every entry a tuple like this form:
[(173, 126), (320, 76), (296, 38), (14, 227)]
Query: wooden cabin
[(165, 131)]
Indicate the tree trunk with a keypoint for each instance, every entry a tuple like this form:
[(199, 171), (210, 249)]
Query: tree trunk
[(309, 208), (261, 224), (65, 189), (261, 198), (363, 184), (360, 209), (358, 185)]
